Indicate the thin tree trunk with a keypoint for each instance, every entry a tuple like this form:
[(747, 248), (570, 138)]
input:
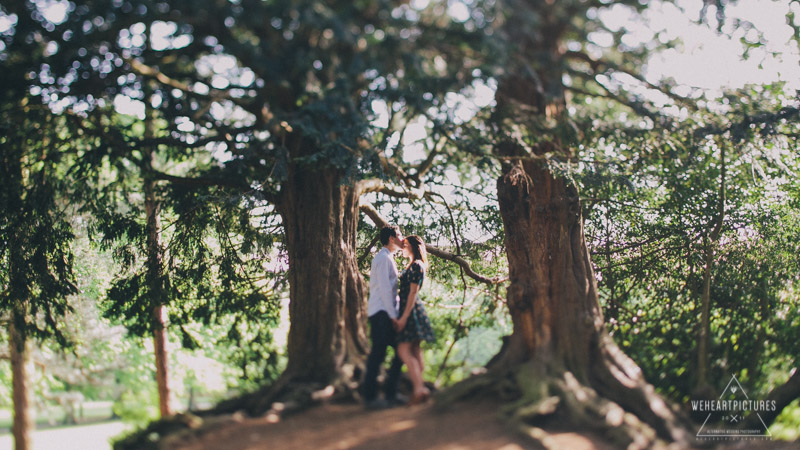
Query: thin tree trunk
[(327, 337), (709, 244), (23, 425), (701, 385), (155, 275), (154, 279), (160, 349)]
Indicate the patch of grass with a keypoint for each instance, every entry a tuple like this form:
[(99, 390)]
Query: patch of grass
[(54, 415), (787, 425)]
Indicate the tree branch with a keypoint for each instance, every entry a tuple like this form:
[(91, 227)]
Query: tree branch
[(598, 66), (200, 181), (380, 222), (151, 72), (427, 164), (637, 107), (782, 395), (389, 166), (215, 95), (224, 135), (378, 185), (213, 181), (465, 265)]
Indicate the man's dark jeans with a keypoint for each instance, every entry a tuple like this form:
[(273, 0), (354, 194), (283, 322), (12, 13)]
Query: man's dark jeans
[(383, 336)]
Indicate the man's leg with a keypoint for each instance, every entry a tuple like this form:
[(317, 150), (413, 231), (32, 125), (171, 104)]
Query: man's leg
[(392, 377), (381, 334)]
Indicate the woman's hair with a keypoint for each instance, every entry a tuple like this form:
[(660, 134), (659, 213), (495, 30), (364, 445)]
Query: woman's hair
[(418, 249)]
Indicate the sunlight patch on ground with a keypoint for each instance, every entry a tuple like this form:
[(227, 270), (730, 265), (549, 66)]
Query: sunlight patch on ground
[(84, 437), (403, 425), (573, 441)]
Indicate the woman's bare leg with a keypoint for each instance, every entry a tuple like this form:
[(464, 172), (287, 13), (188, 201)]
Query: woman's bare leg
[(416, 351), (404, 349)]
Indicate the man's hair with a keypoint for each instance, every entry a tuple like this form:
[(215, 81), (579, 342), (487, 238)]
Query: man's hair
[(387, 232)]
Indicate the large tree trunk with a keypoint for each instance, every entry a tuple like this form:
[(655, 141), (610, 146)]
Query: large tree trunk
[(22, 425), (327, 338), (564, 363), (327, 342), (552, 296)]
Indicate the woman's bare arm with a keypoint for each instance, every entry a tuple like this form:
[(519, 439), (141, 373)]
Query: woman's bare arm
[(400, 323)]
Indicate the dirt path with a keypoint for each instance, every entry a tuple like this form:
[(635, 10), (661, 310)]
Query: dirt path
[(465, 426), (468, 426)]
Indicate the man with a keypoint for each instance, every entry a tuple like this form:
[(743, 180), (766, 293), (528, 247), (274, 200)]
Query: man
[(382, 310)]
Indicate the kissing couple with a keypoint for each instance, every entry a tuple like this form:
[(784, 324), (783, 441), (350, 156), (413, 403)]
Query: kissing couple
[(397, 319)]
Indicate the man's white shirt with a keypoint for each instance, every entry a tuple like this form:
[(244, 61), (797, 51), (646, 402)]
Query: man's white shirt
[(383, 285)]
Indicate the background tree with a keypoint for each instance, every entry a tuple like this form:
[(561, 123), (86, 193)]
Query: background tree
[(563, 362), (287, 104), (649, 211), (280, 126), (35, 235), (211, 266)]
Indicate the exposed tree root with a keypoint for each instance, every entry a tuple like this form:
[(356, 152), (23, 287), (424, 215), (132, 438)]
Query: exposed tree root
[(287, 395), (616, 377), (290, 394), (541, 399)]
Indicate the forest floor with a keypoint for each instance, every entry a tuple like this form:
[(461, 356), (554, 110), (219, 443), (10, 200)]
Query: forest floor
[(464, 426)]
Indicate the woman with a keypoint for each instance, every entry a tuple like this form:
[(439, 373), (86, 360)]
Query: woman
[(413, 325)]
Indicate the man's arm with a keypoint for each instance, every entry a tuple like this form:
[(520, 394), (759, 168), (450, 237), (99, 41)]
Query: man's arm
[(388, 292)]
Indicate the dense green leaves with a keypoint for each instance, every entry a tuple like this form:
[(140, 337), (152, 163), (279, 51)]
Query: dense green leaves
[(239, 92), (651, 211), (35, 234)]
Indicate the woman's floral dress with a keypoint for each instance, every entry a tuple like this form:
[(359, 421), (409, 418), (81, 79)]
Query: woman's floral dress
[(418, 327)]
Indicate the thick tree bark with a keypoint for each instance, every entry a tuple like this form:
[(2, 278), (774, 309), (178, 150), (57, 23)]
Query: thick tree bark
[(22, 425), (552, 297), (327, 337), (564, 360)]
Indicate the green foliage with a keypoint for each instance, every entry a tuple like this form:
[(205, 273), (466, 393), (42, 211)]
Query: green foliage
[(268, 82), (469, 334), (35, 236), (138, 407), (239, 94), (787, 425), (236, 94), (651, 209)]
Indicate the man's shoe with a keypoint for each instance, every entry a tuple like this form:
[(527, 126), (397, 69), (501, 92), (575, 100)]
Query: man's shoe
[(377, 404), (397, 400)]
